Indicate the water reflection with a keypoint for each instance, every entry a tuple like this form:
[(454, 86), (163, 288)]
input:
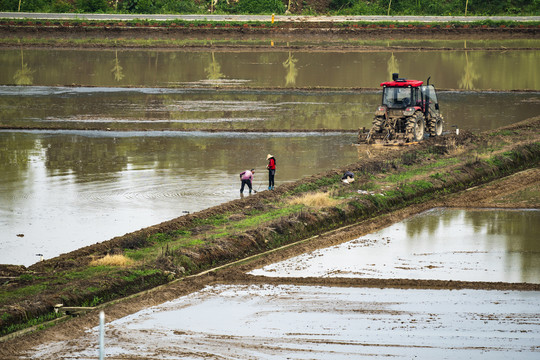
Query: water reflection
[(213, 70), (23, 76), (469, 73), (117, 69), (393, 66), (66, 190), (444, 244), (511, 232), (502, 70), (519, 231), (291, 70)]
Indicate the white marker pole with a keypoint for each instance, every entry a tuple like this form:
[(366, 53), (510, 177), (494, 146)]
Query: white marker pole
[(101, 335)]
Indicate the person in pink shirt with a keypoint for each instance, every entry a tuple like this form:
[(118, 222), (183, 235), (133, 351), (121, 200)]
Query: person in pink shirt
[(247, 179)]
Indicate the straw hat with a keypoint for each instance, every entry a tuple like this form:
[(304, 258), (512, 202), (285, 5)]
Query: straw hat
[(269, 156)]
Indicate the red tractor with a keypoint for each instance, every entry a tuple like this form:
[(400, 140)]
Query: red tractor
[(408, 110)]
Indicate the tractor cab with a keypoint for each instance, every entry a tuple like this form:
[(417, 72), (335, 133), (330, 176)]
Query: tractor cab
[(429, 96), (402, 94)]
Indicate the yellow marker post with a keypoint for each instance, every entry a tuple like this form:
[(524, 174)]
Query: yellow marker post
[(272, 18)]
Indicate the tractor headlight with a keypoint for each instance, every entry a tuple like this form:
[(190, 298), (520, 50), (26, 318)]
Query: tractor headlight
[(408, 111), (381, 110)]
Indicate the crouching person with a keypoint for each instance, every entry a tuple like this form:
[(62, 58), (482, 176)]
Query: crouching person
[(247, 179)]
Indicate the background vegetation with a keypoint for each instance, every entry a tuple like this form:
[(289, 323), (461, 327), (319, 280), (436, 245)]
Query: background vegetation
[(339, 7)]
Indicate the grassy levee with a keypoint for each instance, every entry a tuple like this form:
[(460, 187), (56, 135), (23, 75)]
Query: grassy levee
[(193, 243)]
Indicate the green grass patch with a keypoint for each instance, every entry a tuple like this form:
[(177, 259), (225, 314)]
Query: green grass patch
[(187, 243), (87, 273), (96, 300), (257, 220), (135, 274), (142, 254), (369, 186), (413, 171), (156, 249), (439, 176), (32, 322), (22, 292), (316, 185), (503, 133), (215, 220), (379, 201), (160, 238)]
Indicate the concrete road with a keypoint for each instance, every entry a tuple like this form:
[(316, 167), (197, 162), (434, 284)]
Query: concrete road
[(245, 18)]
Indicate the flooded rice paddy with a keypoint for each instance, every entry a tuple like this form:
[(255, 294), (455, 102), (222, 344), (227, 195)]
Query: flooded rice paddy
[(64, 190), (237, 110), (441, 244), (480, 69), (306, 322)]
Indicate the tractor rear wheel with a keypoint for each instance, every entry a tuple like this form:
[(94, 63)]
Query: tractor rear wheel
[(415, 127)]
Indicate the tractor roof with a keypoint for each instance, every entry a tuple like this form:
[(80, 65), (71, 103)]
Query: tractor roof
[(402, 83)]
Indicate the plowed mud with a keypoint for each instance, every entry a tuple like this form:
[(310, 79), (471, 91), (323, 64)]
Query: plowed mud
[(501, 193)]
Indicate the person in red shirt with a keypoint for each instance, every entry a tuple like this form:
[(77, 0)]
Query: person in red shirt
[(271, 171)]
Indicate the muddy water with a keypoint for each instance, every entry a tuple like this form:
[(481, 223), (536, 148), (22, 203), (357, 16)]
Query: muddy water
[(61, 190), (64, 190), (442, 244), (511, 69), (179, 109), (105, 183), (303, 322)]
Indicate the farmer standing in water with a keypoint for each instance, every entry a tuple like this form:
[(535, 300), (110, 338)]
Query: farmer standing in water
[(271, 170)]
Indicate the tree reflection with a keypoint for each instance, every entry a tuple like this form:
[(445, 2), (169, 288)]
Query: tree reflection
[(292, 71), (117, 69), (213, 70), (469, 75), (519, 231), (393, 66), (24, 75), (430, 222), (15, 152), (89, 159)]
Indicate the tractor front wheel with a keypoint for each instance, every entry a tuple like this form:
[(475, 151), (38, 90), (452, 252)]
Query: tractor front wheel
[(415, 127), (436, 126), (377, 123)]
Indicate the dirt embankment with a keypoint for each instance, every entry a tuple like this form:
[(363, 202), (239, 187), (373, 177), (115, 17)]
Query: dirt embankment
[(313, 35), (496, 180)]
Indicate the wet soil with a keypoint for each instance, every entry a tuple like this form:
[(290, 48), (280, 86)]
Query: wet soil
[(505, 192)]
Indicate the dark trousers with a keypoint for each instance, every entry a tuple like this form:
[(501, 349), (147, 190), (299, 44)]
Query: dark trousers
[(271, 174), (244, 182)]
